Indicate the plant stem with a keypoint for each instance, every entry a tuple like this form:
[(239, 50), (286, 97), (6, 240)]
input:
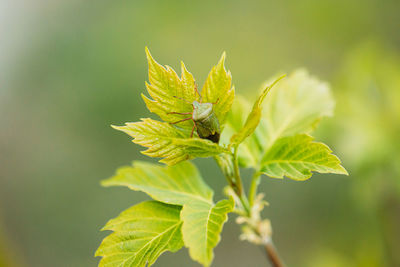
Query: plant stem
[(230, 167), (272, 254), (255, 181), (236, 173), (239, 184)]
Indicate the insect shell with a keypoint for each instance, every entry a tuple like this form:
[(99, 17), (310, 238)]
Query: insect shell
[(205, 121)]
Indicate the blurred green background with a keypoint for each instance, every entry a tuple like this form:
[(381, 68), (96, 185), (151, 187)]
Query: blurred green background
[(70, 68)]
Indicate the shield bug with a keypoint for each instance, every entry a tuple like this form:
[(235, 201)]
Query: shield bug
[(204, 120)]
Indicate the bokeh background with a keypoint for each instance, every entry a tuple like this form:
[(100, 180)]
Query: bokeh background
[(70, 68)]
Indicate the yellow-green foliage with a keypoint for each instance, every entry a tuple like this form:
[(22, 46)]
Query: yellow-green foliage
[(272, 138)]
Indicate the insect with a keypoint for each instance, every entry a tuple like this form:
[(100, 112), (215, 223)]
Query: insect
[(204, 119)]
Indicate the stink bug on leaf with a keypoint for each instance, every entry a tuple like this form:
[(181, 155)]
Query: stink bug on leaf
[(204, 119)]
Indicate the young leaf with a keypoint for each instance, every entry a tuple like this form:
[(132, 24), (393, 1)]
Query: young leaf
[(293, 106), (166, 141), (176, 184), (181, 185), (141, 234), (217, 89), (296, 156), (202, 224), (168, 90), (253, 119), (235, 120)]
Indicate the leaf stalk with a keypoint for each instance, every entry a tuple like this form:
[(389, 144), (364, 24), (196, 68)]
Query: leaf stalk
[(255, 181), (229, 165)]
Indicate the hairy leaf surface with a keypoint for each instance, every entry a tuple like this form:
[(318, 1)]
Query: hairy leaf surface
[(202, 225), (297, 156), (141, 234), (170, 92), (218, 89), (165, 141)]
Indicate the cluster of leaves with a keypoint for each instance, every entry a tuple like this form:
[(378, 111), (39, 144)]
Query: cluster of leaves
[(183, 213), (172, 95), (273, 139), (281, 144)]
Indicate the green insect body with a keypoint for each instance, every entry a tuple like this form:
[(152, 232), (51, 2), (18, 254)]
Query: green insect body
[(207, 124), (204, 119)]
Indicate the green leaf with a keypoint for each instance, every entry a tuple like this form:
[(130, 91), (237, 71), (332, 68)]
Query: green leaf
[(141, 234), (235, 120), (168, 90), (176, 184), (253, 119), (217, 89), (294, 106), (296, 156), (181, 184), (202, 224), (166, 141)]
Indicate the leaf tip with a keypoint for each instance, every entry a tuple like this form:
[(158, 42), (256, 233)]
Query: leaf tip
[(144, 96), (104, 228), (183, 67), (119, 128), (105, 183), (277, 80), (149, 57), (97, 253), (343, 171), (222, 59), (282, 76), (146, 49), (184, 70), (223, 55)]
